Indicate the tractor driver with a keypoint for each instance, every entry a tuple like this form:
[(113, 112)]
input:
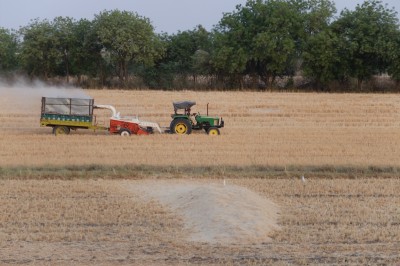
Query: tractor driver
[(187, 111)]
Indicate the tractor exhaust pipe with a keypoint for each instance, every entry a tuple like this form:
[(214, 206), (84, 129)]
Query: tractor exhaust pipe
[(207, 109)]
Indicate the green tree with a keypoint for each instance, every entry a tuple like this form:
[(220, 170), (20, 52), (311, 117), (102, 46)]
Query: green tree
[(229, 57), (369, 33), (394, 60), (201, 63), (46, 47), (85, 52), (127, 38), (40, 55), (316, 15), (274, 45), (63, 34), (187, 52), (260, 39), (321, 47), (232, 46), (322, 58), (161, 73), (8, 50)]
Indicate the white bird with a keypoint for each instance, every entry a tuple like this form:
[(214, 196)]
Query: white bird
[(303, 179)]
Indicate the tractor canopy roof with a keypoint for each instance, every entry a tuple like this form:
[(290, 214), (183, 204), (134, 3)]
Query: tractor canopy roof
[(183, 105)]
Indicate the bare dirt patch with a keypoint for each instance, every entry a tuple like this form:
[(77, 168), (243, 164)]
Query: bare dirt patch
[(214, 212)]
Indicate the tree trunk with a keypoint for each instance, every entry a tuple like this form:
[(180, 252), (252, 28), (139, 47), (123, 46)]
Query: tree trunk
[(359, 84), (66, 65), (194, 81), (272, 81), (254, 81), (121, 71), (265, 78), (397, 85), (125, 71)]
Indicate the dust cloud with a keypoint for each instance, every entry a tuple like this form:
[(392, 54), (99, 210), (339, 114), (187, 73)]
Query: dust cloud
[(22, 95)]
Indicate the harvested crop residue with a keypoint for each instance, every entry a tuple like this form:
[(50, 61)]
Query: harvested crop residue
[(214, 212)]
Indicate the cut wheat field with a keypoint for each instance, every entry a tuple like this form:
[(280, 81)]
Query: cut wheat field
[(276, 129), (91, 198), (100, 222)]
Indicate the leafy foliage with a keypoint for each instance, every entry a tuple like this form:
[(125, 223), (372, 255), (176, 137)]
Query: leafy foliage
[(368, 35), (250, 47), (394, 58), (85, 58), (8, 50), (127, 38), (40, 54), (265, 38), (322, 58)]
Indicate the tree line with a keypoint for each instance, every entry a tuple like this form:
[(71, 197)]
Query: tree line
[(264, 44)]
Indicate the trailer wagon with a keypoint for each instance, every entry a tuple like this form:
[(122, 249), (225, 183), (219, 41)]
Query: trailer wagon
[(64, 114)]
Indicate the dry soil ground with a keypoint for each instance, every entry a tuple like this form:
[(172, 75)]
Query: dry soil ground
[(108, 222), (57, 209)]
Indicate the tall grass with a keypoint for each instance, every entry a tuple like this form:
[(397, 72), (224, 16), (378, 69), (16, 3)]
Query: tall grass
[(93, 171)]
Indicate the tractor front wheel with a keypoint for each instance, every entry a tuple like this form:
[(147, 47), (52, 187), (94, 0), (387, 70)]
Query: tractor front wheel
[(61, 130), (213, 131), (181, 126)]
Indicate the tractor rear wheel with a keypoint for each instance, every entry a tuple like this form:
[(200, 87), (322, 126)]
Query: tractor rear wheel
[(61, 130), (125, 132), (213, 131), (181, 126)]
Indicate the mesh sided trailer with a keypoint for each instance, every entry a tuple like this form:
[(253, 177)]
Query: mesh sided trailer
[(69, 113)]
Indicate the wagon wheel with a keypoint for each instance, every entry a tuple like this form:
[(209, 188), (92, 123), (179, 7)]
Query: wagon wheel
[(61, 130), (181, 126), (213, 131), (125, 132)]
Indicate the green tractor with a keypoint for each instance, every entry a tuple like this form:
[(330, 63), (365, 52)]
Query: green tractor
[(183, 122)]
